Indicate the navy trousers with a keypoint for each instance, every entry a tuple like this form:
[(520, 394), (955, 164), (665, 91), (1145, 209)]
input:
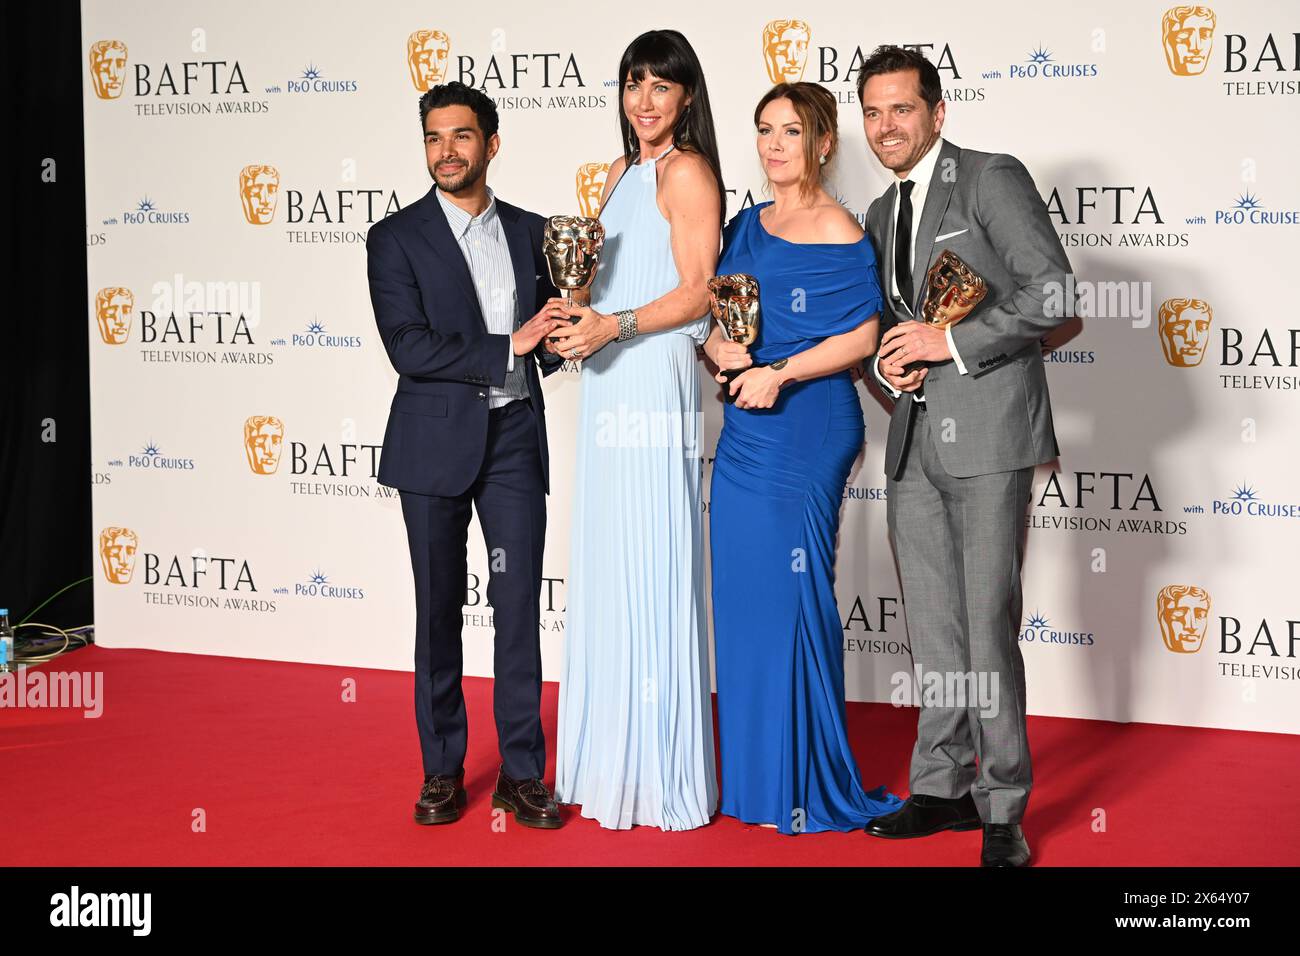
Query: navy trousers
[(509, 496)]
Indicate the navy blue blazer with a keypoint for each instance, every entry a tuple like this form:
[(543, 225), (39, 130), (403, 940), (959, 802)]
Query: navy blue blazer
[(433, 330)]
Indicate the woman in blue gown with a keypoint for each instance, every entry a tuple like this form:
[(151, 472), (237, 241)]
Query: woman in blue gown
[(786, 449)]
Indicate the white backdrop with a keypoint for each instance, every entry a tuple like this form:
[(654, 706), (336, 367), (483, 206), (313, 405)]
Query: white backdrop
[(228, 299)]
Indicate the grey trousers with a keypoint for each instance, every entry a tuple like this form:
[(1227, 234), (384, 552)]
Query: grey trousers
[(959, 544)]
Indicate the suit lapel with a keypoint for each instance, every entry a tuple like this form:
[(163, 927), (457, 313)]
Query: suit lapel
[(524, 260), (886, 220), (438, 233), (937, 196), (521, 258)]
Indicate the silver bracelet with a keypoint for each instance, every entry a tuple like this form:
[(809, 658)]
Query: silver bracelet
[(626, 324)]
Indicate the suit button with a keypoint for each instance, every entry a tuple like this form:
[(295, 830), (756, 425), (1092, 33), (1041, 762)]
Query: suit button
[(482, 395)]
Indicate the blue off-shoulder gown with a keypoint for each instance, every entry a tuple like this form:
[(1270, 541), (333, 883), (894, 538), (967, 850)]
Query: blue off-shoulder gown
[(778, 481)]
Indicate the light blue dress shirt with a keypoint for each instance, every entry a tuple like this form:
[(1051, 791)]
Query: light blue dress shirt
[(482, 241)]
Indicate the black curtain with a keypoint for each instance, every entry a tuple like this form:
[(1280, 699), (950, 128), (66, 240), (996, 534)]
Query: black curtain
[(45, 467)]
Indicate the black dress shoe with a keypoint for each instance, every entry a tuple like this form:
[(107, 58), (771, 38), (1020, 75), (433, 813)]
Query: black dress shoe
[(1004, 845), (921, 815), (529, 800), (441, 798)]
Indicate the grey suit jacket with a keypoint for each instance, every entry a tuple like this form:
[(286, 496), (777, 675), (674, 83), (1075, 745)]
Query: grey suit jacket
[(997, 417)]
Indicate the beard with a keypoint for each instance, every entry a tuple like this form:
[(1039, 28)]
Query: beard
[(458, 179)]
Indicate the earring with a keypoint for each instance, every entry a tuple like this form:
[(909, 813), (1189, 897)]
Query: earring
[(823, 159)]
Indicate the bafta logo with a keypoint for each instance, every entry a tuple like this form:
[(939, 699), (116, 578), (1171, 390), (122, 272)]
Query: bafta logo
[(785, 50), (117, 547), (258, 188), (113, 308), (427, 52), (108, 68), (263, 441), (1183, 611), (591, 182), (1187, 33), (1184, 327)]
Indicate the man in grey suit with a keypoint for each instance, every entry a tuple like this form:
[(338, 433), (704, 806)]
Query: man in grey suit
[(971, 419)]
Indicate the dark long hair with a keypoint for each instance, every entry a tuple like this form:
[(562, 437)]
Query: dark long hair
[(668, 55)]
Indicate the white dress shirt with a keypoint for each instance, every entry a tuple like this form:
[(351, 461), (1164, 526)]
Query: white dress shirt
[(482, 242), (920, 175)]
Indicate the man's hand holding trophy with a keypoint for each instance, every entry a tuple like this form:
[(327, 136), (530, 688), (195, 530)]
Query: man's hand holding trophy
[(952, 291)]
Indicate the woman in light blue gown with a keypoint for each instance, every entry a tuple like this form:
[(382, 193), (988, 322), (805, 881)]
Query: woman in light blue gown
[(635, 740)]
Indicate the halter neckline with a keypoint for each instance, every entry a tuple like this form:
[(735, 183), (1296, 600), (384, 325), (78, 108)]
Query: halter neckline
[(655, 159)]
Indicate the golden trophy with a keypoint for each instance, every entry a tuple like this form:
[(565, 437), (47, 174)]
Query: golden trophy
[(952, 290), (572, 247), (733, 299)]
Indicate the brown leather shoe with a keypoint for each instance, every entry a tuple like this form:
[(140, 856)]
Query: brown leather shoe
[(441, 799), (529, 800)]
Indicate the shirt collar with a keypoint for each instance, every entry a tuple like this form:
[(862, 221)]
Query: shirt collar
[(460, 221), (923, 170)]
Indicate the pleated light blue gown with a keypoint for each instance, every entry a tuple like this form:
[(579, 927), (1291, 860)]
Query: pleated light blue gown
[(778, 481), (635, 737)]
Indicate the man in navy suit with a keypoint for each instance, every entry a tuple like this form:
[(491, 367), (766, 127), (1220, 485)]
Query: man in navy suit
[(451, 277)]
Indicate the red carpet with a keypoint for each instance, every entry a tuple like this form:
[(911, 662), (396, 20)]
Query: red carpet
[(288, 774)]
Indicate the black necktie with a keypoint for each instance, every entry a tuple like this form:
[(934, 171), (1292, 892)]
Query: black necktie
[(903, 242)]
